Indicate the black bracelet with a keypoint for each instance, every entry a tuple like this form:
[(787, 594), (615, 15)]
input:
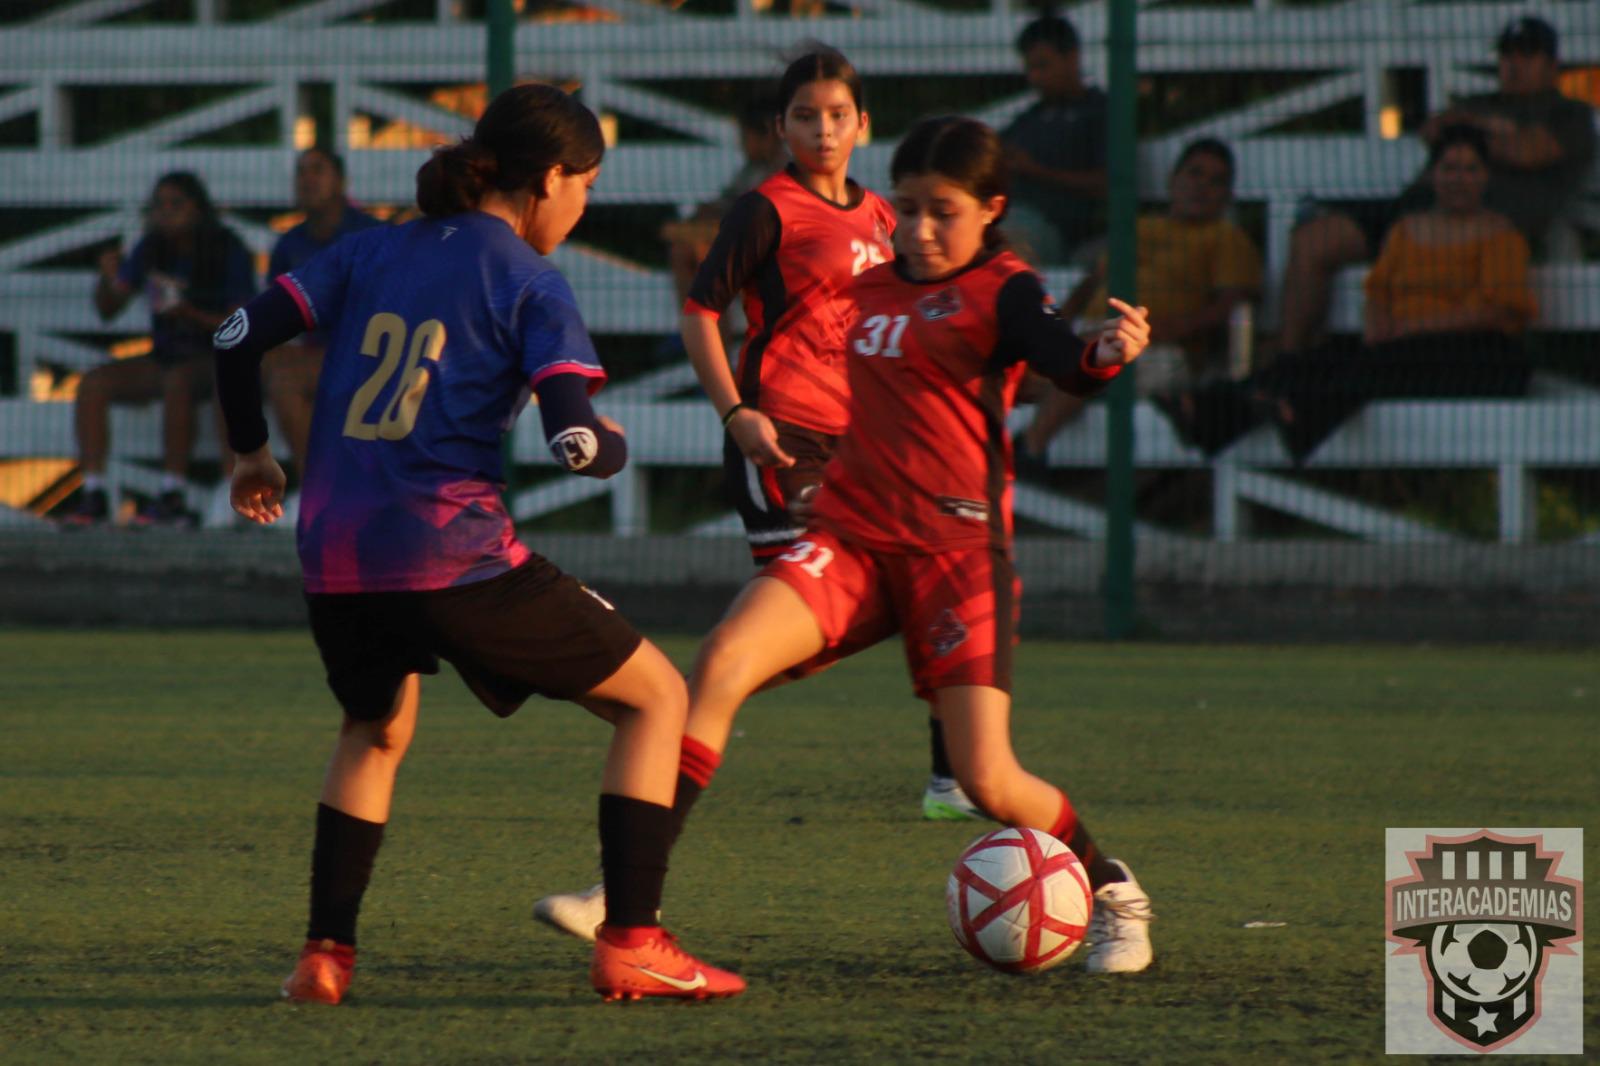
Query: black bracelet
[(735, 409)]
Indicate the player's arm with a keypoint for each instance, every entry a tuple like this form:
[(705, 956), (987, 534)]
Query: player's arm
[(268, 320), (746, 241), (1032, 332), (586, 443)]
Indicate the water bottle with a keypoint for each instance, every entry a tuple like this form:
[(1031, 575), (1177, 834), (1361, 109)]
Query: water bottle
[(1241, 339)]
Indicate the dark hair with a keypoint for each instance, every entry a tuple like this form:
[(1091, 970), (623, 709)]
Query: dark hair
[(1206, 146), (1049, 29), (525, 131), (961, 150), (334, 158), (210, 244), (820, 63), (1450, 136)]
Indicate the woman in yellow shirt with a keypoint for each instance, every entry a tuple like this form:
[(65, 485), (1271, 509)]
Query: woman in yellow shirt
[(1446, 304)]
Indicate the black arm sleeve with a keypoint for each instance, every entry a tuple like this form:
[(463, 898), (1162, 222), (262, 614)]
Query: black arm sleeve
[(1032, 332), (577, 439), (745, 241), (267, 321)]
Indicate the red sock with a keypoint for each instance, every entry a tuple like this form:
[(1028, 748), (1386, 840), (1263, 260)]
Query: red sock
[(1074, 835), (698, 762)]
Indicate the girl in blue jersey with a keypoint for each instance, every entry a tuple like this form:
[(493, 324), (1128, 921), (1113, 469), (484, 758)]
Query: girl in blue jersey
[(437, 332)]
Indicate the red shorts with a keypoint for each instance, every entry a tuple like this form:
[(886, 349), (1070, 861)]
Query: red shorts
[(957, 610)]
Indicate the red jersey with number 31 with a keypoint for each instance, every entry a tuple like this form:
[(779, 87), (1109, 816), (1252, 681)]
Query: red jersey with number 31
[(792, 255), (934, 369)]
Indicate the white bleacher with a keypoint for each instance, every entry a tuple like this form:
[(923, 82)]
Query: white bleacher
[(1351, 47)]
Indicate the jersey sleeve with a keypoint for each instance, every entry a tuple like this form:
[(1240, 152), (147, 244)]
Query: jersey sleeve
[(551, 336), (747, 238), (318, 285), (1032, 332), (278, 262)]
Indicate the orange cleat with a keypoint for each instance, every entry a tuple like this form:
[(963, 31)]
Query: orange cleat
[(631, 964), (322, 974)]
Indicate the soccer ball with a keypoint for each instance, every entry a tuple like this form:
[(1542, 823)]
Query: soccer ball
[(1018, 900)]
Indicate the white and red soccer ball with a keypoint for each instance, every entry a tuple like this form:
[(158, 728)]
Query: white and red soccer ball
[(1019, 900)]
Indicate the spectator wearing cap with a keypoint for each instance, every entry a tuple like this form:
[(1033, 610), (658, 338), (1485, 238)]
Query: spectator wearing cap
[(1056, 149), (1541, 145)]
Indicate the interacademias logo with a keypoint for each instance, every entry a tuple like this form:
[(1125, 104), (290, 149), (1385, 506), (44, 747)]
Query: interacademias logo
[(232, 330), (575, 448), (942, 304), (947, 633), (1483, 912)]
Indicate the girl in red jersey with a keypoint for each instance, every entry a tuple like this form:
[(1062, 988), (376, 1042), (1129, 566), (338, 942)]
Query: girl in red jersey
[(911, 531), (790, 248)]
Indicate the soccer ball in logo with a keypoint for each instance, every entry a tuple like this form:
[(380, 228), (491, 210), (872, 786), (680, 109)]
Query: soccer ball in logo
[(1018, 900), (1483, 962)]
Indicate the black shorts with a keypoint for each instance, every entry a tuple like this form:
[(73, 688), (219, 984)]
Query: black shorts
[(533, 630), (762, 493)]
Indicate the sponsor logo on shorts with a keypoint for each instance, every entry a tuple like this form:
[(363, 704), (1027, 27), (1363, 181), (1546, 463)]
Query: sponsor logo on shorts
[(956, 507), (232, 330), (575, 448), (942, 304), (947, 633), (1488, 921)]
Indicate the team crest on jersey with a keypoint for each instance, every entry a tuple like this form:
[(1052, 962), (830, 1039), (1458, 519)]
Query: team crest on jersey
[(942, 304), (947, 633), (231, 332), (575, 448)]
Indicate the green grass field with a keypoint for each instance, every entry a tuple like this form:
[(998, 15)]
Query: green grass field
[(157, 791)]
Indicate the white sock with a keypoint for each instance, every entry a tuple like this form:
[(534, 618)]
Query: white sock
[(94, 483), (170, 482)]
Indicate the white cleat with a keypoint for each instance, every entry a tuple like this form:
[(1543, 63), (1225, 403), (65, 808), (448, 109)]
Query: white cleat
[(1119, 929), (577, 913), (944, 801)]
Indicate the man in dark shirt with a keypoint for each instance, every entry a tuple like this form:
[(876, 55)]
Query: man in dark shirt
[(290, 372), (1056, 148), (1541, 146)]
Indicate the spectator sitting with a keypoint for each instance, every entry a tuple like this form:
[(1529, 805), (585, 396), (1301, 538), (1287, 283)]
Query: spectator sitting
[(1056, 149), (1446, 304), (289, 373), (1541, 145), (1194, 267), (194, 272), (764, 155)]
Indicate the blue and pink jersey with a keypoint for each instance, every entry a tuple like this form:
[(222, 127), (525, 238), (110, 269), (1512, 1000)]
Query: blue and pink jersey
[(438, 330)]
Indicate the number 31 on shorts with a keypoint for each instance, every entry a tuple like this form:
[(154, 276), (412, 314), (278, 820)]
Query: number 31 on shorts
[(802, 553)]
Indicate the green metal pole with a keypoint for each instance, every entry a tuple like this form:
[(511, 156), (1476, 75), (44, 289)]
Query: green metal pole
[(502, 26), (1123, 210)]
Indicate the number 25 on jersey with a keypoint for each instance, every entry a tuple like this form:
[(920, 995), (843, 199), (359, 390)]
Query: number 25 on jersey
[(386, 336)]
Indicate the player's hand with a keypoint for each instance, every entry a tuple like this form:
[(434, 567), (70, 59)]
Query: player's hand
[(1124, 337), (757, 438), (257, 490)]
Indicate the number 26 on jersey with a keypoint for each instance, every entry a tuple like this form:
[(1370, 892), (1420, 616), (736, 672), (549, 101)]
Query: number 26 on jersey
[(386, 338)]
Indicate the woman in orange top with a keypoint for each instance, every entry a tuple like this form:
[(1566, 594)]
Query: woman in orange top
[(1447, 302)]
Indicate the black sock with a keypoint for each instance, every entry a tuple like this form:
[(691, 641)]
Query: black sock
[(688, 791), (341, 866), (941, 758), (635, 838), (1102, 871)]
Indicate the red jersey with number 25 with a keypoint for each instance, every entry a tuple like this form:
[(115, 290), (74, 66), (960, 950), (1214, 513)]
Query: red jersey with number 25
[(792, 255), (934, 368)]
